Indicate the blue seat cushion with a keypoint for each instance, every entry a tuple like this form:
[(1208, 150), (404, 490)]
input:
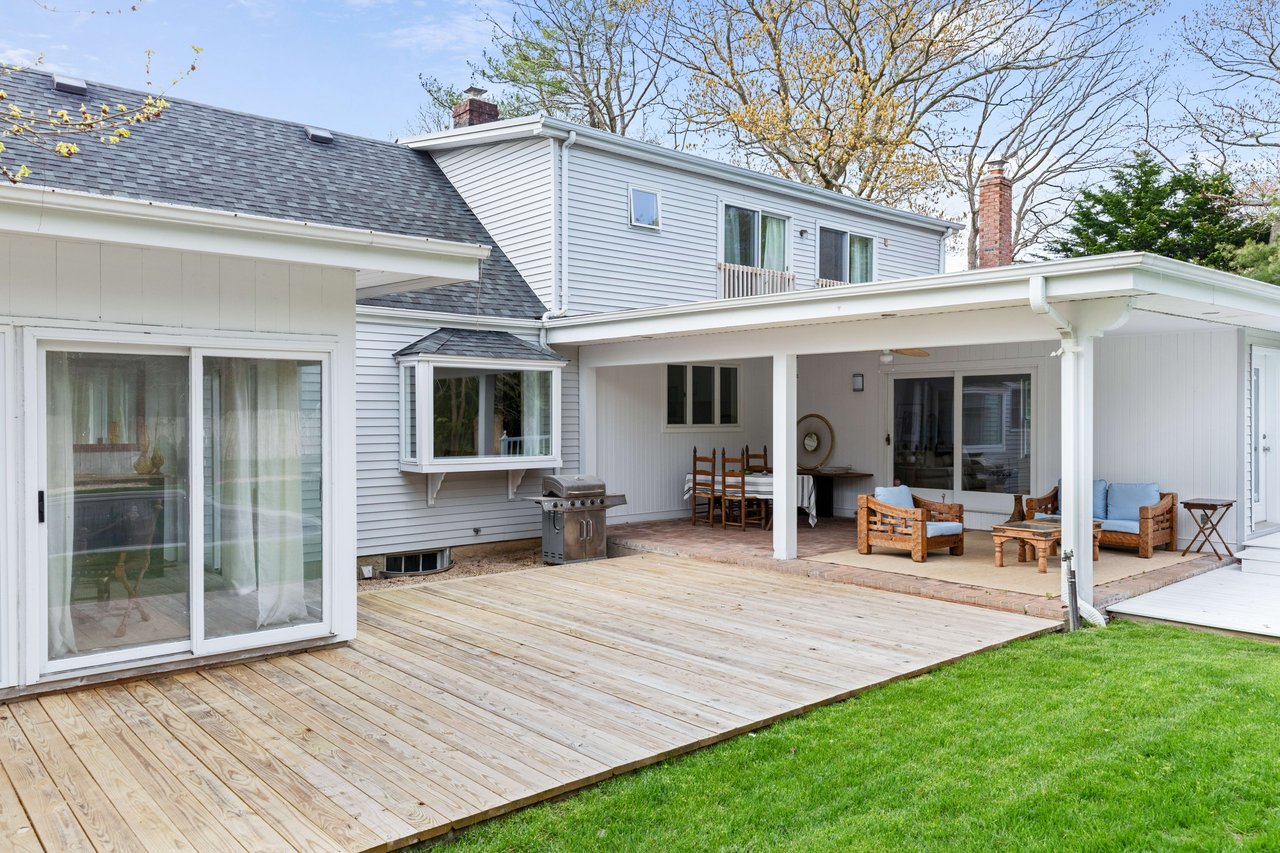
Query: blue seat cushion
[(1120, 526), (942, 528), (1099, 498), (899, 496), (1124, 499)]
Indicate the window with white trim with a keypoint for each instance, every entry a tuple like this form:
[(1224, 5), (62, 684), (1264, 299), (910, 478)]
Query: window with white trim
[(646, 208), (845, 257), (702, 395), (753, 238), (461, 414)]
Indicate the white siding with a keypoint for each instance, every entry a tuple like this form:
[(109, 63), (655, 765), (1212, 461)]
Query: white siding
[(1166, 410), (614, 266), (393, 513), (640, 459), (509, 187)]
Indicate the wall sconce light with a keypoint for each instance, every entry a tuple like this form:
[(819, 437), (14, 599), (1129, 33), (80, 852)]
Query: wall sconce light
[(858, 384), (804, 232)]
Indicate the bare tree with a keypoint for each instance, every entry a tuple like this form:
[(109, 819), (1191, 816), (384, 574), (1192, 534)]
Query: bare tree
[(1055, 126), (1238, 43), (598, 62), (859, 96)]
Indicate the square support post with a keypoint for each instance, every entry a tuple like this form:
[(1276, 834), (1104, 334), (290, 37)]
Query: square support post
[(587, 463), (784, 457), (1076, 500)]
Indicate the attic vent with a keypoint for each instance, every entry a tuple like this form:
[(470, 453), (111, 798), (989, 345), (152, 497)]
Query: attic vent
[(70, 85), (421, 563), (319, 135)]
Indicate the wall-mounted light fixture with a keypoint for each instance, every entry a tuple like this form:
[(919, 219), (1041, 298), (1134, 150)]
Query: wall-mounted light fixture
[(858, 384), (804, 232)]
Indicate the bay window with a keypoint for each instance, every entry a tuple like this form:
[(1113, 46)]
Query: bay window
[(478, 414)]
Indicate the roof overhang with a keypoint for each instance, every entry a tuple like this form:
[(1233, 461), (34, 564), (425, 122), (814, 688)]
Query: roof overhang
[(974, 306), (387, 263), (507, 130)]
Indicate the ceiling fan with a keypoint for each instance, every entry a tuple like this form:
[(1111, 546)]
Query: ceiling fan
[(886, 356)]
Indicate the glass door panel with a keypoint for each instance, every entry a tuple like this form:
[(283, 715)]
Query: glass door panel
[(923, 442), (996, 433), (116, 502), (263, 512)]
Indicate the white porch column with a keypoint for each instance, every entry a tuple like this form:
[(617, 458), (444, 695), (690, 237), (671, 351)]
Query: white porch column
[(784, 457), (587, 420), (1077, 462)]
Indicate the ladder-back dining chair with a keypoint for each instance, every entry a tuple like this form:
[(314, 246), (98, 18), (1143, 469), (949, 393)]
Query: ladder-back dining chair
[(703, 488), (735, 507)]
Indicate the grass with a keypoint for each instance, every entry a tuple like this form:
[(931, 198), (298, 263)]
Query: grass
[(1133, 737)]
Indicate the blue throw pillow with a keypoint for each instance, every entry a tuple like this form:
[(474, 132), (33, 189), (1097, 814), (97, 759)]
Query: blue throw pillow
[(1099, 498), (899, 496), (1124, 499)]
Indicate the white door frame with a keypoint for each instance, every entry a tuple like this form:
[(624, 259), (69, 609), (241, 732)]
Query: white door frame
[(32, 641), (9, 526), (1264, 433)]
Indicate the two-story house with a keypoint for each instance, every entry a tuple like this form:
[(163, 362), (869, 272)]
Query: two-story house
[(666, 302), (593, 223)]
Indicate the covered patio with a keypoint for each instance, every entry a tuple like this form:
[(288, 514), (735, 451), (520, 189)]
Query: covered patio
[(982, 388)]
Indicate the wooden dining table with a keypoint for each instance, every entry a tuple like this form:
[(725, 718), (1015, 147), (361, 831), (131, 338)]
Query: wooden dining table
[(761, 486)]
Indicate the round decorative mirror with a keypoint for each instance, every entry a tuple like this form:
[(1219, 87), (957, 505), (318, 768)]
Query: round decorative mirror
[(817, 441)]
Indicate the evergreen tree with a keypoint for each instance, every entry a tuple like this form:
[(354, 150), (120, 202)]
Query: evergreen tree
[(1190, 215)]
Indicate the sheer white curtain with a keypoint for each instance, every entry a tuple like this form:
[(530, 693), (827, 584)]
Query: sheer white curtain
[(60, 502), (261, 487), (535, 421), (773, 243)]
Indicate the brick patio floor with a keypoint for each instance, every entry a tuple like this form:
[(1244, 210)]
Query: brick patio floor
[(754, 548)]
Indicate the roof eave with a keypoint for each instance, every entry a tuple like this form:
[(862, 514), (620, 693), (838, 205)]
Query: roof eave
[(31, 209)]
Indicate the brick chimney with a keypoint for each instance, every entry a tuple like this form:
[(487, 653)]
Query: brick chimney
[(995, 217), (472, 110)]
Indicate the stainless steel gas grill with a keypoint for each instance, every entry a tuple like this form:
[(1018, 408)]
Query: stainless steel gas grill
[(573, 525)]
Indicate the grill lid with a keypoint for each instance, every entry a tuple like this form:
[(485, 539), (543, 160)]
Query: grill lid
[(572, 485)]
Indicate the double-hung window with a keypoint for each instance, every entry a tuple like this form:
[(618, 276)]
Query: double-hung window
[(753, 238), (844, 257), (702, 395)]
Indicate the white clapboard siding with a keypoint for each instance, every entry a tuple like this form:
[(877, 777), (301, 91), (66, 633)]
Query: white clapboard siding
[(1166, 411), (639, 458), (509, 187), (393, 514), (615, 266)]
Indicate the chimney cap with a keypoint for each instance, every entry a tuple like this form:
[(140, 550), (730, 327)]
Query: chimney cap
[(475, 92)]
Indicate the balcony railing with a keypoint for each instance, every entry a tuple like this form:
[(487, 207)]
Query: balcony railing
[(831, 282), (738, 280)]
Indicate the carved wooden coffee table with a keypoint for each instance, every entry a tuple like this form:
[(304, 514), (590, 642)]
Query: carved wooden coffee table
[(1042, 537)]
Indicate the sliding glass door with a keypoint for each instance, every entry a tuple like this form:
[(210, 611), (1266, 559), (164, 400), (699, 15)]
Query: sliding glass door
[(968, 433), (115, 502), (183, 502)]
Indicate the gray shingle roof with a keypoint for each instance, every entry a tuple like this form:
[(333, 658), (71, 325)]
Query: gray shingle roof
[(202, 156), (476, 343)]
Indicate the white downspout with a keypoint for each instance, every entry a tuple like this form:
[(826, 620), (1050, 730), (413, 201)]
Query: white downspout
[(1039, 301), (560, 260)]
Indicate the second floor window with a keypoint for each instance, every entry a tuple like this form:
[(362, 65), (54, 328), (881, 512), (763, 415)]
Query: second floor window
[(844, 257), (646, 208), (754, 239)]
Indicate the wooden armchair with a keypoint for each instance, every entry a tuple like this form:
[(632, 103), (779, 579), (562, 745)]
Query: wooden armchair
[(703, 489), (890, 526), (1157, 523), (735, 507)]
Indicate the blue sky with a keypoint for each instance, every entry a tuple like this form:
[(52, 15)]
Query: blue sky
[(351, 65)]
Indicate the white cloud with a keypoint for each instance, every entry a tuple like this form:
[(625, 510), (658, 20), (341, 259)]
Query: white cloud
[(463, 30)]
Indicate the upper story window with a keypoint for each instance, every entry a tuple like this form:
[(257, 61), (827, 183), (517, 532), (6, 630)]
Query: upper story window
[(465, 411), (646, 208), (753, 238), (702, 395), (845, 257)]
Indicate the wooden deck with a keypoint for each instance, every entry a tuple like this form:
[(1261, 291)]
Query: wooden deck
[(459, 701)]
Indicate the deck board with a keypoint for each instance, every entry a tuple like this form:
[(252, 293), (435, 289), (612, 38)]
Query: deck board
[(459, 700)]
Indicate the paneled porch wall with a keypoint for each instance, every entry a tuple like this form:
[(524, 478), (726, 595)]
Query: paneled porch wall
[(637, 456)]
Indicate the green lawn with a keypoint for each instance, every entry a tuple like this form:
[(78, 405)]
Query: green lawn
[(1132, 737)]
